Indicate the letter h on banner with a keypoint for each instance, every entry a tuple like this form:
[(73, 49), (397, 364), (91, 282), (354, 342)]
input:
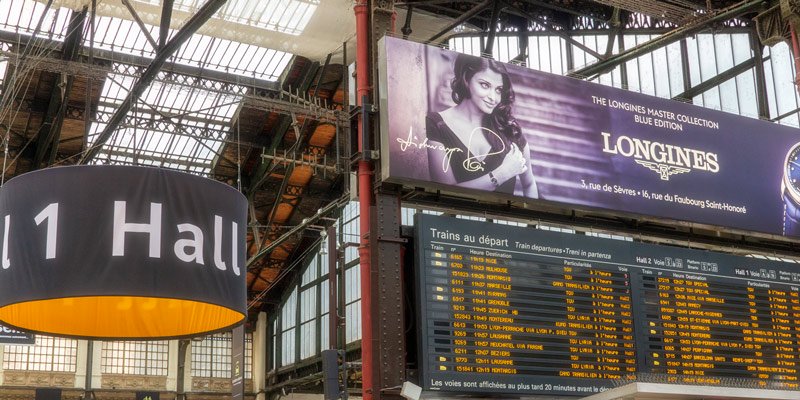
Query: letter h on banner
[(121, 227)]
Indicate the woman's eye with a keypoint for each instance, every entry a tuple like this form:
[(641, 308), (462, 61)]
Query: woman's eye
[(484, 85)]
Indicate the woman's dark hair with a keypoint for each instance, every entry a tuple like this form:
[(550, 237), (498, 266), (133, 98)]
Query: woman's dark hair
[(501, 120)]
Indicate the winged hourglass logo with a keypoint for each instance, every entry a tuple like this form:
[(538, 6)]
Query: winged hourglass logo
[(662, 169)]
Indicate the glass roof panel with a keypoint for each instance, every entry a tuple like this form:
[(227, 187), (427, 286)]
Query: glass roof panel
[(4, 47), (22, 17), (286, 16), (179, 122)]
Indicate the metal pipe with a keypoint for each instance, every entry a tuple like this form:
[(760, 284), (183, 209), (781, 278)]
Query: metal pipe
[(363, 44)]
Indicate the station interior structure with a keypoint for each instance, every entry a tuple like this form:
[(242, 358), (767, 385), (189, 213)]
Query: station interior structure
[(264, 96)]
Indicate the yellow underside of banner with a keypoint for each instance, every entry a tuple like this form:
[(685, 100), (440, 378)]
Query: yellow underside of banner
[(119, 317)]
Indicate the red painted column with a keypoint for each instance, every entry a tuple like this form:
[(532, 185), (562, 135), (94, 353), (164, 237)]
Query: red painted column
[(365, 199)]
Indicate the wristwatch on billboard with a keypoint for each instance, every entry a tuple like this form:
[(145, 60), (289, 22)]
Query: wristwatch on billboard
[(790, 191)]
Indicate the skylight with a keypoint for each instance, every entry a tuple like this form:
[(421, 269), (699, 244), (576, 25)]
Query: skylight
[(22, 17), (125, 36), (179, 122), (286, 16), (199, 51)]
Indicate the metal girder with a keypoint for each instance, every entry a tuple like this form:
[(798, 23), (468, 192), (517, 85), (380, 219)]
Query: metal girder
[(717, 80), (166, 20), (196, 21), (690, 28), (460, 20), (492, 28), (388, 287), (139, 22), (50, 130)]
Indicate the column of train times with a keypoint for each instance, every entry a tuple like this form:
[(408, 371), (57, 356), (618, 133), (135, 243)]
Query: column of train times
[(598, 323), (772, 334)]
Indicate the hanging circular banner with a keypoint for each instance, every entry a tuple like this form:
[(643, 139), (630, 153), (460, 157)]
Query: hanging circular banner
[(120, 252)]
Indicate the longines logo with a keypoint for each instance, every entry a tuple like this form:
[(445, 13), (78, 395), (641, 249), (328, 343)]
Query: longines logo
[(664, 159)]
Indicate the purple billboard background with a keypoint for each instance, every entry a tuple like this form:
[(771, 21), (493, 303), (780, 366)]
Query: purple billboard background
[(705, 166)]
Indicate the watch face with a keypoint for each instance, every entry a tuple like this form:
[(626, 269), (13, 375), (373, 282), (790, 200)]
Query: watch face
[(793, 168)]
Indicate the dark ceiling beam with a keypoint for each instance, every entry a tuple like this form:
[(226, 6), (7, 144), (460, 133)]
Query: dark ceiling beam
[(493, 21), (166, 20), (616, 27), (555, 31), (463, 18), (50, 131), (690, 28), (716, 80), (139, 22), (565, 10), (195, 22)]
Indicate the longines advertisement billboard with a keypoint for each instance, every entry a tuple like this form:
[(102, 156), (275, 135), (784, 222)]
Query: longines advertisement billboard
[(470, 125)]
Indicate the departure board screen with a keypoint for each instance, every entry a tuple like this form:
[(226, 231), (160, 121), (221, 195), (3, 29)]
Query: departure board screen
[(519, 310)]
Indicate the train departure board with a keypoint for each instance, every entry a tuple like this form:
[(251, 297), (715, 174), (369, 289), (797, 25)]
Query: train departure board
[(519, 310)]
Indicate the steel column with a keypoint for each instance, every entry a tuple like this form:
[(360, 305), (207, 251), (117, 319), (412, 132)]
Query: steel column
[(388, 289)]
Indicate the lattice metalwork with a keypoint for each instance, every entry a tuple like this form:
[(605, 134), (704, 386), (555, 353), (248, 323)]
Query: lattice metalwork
[(49, 354), (586, 23), (643, 21), (673, 10), (135, 358)]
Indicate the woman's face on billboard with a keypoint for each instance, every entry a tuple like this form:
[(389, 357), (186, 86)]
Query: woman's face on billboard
[(486, 89)]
